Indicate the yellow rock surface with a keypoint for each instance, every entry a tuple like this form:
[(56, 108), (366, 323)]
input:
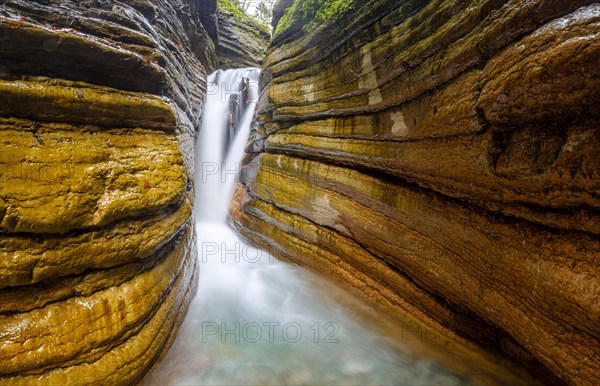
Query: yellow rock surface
[(126, 362), (79, 103), (31, 259), (95, 323), (95, 176), (97, 246), (442, 156)]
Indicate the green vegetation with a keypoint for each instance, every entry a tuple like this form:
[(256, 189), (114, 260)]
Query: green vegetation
[(333, 9), (250, 27), (229, 6), (264, 12), (299, 12), (308, 13), (239, 13)]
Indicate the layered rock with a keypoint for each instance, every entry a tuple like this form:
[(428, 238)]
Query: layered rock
[(441, 156), (242, 40), (100, 102), (279, 9)]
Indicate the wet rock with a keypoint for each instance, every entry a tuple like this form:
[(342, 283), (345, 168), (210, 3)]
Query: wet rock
[(242, 40), (441, 157), (100, 103)]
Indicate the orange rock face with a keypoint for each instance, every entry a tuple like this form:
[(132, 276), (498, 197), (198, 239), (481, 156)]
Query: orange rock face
[(100, 103), (442, 156)]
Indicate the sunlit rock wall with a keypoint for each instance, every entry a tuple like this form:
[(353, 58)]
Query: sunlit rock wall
[(441, 156), (99, 104)]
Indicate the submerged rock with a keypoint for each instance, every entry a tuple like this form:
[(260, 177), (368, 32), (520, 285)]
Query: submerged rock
[(100, 103), (441, 157)]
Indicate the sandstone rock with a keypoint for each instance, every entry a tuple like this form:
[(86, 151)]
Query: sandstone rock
[(242, 40), (95, 176), (441, 156), (78, 103), (100, 102), (27, 298), (30, 259), (95, 322), (207, 12)]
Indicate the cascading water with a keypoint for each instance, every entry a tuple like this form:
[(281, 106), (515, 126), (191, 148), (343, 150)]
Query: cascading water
[(229, 109), (256, 320)]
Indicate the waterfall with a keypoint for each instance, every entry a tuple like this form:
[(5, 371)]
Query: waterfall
[(256, 320), (229, 109)]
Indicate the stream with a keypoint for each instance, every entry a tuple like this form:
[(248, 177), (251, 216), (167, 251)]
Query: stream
[(258, 321)]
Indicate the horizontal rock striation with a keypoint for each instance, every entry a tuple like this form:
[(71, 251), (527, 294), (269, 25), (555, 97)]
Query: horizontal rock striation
[(441, 156), (100, 103), (242, 40)]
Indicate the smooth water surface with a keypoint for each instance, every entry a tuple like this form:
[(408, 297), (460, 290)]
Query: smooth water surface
[(258, 321)]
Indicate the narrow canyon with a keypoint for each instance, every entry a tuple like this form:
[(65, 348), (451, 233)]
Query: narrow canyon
[(436, 160)]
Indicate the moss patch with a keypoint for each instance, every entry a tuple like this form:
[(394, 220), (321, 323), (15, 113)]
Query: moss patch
[(308, 13), (238, 14)]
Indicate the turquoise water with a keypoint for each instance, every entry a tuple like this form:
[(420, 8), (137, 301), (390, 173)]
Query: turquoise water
[(259, 321)]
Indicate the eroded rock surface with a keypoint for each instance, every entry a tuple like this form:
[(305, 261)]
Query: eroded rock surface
[(242, 40), (441, 156), (279, 9), (100, 102)]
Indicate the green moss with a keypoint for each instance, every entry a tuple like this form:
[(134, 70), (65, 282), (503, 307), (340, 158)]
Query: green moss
[(305, 14), (238, 14), (262, 26), (333, 9), (226, 5), (299, 12)]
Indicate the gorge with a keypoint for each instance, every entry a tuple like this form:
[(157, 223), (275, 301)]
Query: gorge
[(438, 159)]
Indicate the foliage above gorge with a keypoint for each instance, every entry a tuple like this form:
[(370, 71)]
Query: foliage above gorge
[(256, 12), (308, 13)]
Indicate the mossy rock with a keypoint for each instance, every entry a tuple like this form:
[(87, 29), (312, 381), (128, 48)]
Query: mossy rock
[(309, 13), (243, 39), (240, 16)]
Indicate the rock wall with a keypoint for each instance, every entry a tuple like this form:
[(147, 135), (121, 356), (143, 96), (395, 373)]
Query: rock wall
[(441, 156), (242, 40), (279, 9), (99, 104)]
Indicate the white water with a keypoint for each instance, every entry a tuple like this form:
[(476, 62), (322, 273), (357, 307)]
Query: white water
[(259, 321), (218, 148)]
